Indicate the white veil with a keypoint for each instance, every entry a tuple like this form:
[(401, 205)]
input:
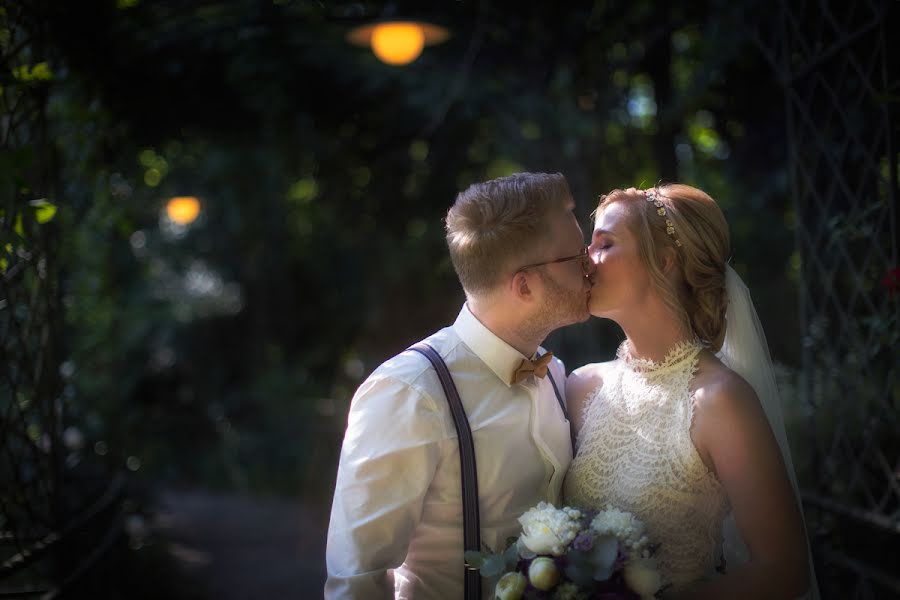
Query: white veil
[(746, 352)]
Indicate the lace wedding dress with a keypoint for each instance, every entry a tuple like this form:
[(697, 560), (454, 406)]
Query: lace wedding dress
[(634, 452)]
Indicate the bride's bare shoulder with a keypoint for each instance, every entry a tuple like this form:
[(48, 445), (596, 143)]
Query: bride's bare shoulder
[(722, 397), (585, 379), (716, 383)]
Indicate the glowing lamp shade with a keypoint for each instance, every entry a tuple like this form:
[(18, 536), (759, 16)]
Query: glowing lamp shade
[(183, 209), (397, 42)]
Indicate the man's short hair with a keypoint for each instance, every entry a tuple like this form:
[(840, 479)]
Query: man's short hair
[(495, 226)]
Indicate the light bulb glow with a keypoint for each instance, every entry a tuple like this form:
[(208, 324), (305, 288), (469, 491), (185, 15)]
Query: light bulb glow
[(183, 209), (397, 43)]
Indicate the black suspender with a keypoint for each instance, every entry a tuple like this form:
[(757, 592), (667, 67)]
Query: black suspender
[(471, 525), (562, 405)]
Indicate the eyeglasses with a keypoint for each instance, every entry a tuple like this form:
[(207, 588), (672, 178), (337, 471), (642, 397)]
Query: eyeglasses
[(587, 265)]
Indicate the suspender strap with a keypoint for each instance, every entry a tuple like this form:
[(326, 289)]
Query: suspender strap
[(471, 525), (562, 404), (559, 399)]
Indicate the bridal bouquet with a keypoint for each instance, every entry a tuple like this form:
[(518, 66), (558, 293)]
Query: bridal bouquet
[(568, 554)]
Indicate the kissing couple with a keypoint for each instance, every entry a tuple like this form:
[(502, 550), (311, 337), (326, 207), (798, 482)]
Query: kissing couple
[(683, 429)]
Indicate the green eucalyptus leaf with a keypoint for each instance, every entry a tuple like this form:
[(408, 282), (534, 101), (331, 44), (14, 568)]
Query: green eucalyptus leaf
[(475, 559), (603, 572), (579, 573), (579, 557), (603, 555), (511, 556), (493, 565)]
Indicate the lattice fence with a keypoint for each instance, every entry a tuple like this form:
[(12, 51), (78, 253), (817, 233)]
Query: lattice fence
[(834, 62), (55, 514)]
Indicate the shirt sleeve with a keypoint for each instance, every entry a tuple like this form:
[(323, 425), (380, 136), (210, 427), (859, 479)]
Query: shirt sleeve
[(388, 460)]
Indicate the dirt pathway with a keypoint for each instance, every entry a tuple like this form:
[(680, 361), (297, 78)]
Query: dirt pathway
[(245, 547)]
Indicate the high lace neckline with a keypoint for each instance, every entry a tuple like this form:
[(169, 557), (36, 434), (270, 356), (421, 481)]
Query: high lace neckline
[(678, 355)]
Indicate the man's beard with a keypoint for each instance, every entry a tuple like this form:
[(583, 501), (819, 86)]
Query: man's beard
[(562, 307)]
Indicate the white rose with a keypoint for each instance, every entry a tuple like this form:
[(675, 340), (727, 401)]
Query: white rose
[(642, 577), (543, 573), (547, 530), (510, 587), (540, 539), (523, 550)]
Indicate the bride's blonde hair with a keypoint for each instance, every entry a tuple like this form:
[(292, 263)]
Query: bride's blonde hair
[(694, 229)]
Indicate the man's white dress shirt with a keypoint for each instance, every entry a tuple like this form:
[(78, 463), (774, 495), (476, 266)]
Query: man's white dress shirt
[(398, 501)]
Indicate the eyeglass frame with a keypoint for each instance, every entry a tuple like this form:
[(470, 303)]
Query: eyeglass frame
[(585, 265)]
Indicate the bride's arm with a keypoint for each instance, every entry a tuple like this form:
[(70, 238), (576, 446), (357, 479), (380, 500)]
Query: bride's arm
[(732, 433), (580, 382)]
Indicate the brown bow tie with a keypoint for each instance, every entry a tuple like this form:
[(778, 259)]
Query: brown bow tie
[(537, 366)]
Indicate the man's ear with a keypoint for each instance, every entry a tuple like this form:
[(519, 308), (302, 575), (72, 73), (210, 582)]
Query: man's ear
[(519, 286)]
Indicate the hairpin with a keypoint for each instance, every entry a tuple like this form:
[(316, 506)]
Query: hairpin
[(653, 197)]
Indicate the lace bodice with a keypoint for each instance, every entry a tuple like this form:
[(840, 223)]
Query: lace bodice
[(634, 452)]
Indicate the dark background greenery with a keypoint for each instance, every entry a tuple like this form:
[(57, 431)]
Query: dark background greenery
[(324, 176), (224, 355)]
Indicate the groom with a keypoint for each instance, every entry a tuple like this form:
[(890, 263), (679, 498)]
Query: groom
[(396, 520)]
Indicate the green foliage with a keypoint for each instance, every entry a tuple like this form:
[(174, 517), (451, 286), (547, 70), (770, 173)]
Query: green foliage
[(492, 565), (227, 350), (43, 211), (32, 73)]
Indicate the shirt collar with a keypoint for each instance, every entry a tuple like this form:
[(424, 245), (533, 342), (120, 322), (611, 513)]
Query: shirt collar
[(499, 356)]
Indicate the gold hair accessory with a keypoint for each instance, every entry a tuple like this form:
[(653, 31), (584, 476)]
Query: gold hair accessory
[(652, 196)]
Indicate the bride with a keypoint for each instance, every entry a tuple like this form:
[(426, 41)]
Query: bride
[(684, 428)]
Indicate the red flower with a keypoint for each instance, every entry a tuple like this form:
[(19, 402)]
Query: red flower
[(891, 280)]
